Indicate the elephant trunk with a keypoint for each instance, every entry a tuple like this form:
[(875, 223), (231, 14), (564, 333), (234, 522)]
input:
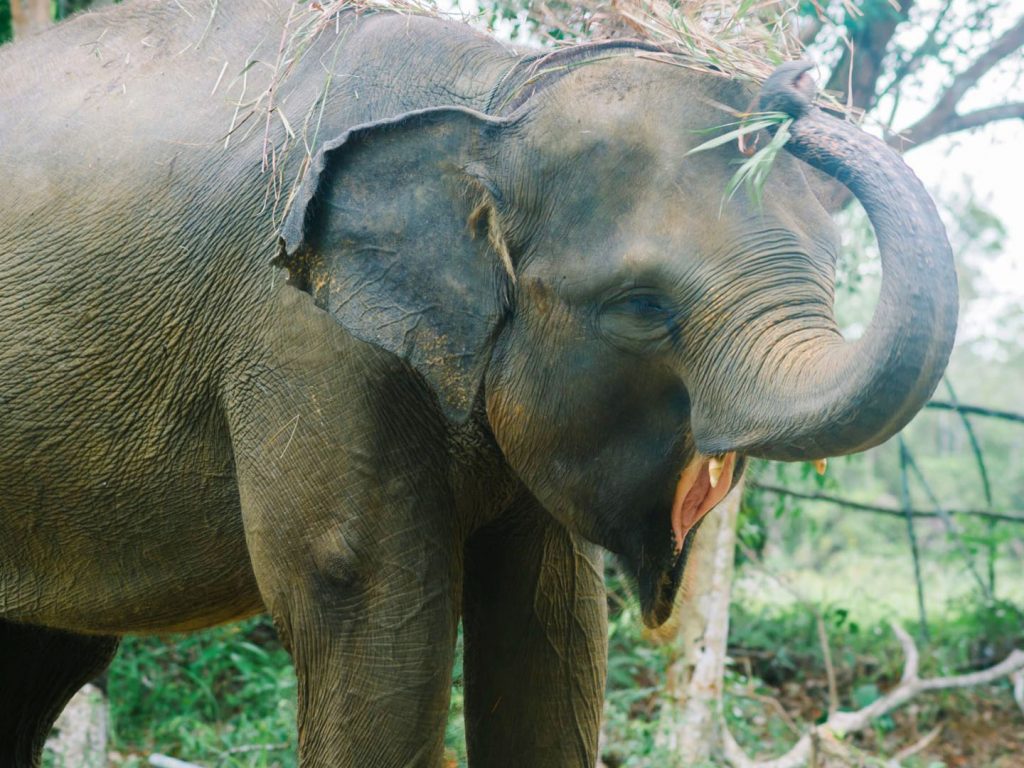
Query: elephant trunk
[(827, 396)]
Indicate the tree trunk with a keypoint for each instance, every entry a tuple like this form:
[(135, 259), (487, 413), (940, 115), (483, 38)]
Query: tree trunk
[(80, 733), (29, 17), (690, 715)]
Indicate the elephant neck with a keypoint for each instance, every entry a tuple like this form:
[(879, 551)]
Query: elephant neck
[(483, 484)]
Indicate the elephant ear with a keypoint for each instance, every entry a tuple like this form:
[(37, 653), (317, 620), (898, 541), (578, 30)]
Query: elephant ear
[(394, 231)]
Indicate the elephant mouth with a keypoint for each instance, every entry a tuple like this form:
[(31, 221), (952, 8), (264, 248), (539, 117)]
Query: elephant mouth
[(702, 484)]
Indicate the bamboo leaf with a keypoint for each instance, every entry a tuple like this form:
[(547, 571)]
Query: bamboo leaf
[(766, 120), (753, 172)]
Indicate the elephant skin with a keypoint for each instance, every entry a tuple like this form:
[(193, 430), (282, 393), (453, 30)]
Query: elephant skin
[(380, 325)]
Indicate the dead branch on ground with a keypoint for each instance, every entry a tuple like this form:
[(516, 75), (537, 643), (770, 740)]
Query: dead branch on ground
[(842, 723)]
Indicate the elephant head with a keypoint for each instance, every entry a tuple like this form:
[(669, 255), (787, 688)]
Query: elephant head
[(632, 337)]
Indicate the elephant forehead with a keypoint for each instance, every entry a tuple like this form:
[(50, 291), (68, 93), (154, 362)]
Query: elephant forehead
[(616, 138), (629, 254), (622, 193), (638, 224), (631, 102), (626, 127), (669, 238)]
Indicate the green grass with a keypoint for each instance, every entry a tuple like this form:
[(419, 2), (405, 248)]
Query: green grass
[(777, 657), (752, 173), (226, 697)]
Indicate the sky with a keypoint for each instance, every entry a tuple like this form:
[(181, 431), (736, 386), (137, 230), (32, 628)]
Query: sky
[(991, 160)]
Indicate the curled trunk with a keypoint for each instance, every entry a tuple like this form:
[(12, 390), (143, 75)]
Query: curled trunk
[(835, 397)]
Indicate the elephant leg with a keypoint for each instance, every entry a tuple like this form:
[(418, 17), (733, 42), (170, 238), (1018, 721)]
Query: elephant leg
[(369, 615), (40, 670), (342, 464), (535, 623), (354, 549)]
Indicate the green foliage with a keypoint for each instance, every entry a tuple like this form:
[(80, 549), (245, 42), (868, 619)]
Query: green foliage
[(5, 21), (778, 665), (65, 8), (763, 513), (455, 730), (753, 172), (225, 696), (871, 12), (636, 671)]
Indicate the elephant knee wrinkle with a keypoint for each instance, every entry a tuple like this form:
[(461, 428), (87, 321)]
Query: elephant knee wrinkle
[(338, 566), (341, 572)]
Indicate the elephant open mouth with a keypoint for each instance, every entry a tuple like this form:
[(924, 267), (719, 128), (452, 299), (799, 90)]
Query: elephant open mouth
[(702, 484)]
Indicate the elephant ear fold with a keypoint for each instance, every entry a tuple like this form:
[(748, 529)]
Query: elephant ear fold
[(395, 232)]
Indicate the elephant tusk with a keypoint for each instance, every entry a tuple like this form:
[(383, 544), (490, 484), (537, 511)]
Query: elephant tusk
[(715, 466), (820, 465)]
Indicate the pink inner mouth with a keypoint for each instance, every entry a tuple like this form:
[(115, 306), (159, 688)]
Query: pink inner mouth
[(695, 495)]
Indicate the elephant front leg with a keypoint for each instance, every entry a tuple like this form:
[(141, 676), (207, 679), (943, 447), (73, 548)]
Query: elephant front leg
[(342, 468), (358, 571), (535, 622), (371, 629)]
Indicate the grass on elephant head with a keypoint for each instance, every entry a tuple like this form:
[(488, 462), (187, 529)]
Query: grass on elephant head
[(743, 40)]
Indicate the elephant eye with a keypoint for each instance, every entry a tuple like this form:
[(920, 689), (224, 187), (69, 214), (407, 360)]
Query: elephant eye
[(646, 306), (638, 322)]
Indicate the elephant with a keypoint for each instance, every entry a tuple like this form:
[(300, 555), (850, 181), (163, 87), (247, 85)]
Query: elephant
[(376, 324)]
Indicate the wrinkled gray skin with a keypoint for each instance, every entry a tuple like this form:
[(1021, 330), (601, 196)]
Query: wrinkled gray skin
[(510, 312)]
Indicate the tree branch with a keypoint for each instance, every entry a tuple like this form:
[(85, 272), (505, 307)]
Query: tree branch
[(29, 16), (922, 132), (943, 117), (975, 410), (1007, 43), (979, 455), (915, 553), (986, 486), (860, 66), (952, 529), (826, 656), (923, 743), (840, 724), (890, 511), (926, 48), (163, 761), (1018, 688), (810, 26), (819, 618)]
